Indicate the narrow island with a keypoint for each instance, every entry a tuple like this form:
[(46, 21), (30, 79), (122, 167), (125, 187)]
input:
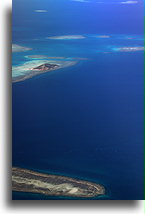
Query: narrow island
[(36, 67), (102, 36), (24, 180), (44, 57), (54, 57), (66, 37), (18, 48), (129, 49)]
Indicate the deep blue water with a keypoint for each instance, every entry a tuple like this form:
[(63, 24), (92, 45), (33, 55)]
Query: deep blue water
[(84, 121)]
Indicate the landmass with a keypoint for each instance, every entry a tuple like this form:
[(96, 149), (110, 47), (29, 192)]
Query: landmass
[(37, 67), (24, 180), (45, 67), (18, 48), (67, 37)]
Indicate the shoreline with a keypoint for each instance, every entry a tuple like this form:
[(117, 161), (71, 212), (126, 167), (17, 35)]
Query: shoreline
[(28, 69), (29, 181)]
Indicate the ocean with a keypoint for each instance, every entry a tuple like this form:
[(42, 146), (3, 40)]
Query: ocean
[(83, 121)]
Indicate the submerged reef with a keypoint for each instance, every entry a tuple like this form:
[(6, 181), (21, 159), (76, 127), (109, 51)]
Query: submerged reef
[(24, 180)]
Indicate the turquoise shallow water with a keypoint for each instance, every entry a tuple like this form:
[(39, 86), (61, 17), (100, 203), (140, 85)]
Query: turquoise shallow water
[(84, 121)]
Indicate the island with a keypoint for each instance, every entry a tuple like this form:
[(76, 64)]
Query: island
[(28, 181), (45, 67), (36, 67)]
